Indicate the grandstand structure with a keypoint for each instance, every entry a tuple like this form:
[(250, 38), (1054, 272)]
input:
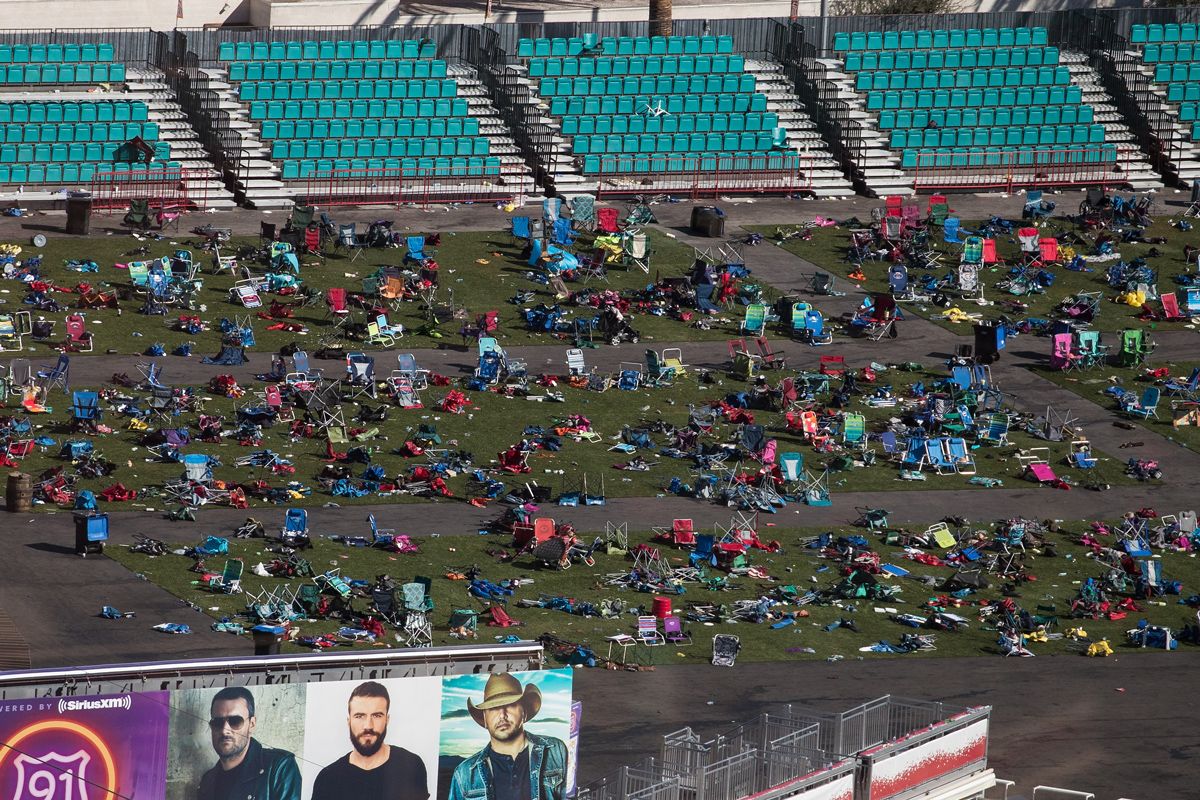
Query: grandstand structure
[(420, 113)]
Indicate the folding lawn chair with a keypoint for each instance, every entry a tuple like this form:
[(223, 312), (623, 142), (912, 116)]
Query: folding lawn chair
[(336, 306), (59, 375), (648, 633), (635, 251), (360, 375), (575, 362), (725, 649), (349, 239), (415, 250)]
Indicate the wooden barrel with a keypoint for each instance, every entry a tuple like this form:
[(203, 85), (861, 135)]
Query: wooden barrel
[(20, 492)]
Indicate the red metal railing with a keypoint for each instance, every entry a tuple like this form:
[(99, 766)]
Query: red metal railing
[(1007, 170), (165, 189), (366, 187), (701, 176)]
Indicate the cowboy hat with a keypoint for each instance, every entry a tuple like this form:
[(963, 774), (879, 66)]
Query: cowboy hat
[(504, 690)]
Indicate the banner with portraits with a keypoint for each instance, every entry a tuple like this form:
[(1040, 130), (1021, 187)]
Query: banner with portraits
[(460, 737)]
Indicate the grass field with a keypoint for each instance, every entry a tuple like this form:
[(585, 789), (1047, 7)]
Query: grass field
[(496, 422), (1057, 584), (480, 271), (828, 247)]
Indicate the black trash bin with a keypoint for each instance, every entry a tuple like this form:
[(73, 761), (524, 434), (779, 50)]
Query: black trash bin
[(708, 221), (267, 639), (79, 213)]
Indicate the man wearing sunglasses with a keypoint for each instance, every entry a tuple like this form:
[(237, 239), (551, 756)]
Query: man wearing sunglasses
[(245, 770)]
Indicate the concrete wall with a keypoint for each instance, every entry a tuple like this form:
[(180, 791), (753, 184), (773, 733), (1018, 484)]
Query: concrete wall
[(284, 13), (161, 15)]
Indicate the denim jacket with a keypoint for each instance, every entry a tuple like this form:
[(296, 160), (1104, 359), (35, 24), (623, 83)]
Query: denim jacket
[(547, 772), (270, 775)]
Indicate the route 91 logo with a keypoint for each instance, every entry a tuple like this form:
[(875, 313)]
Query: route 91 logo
[(58, 759)]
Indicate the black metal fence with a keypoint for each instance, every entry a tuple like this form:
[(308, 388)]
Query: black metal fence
[(482, 48)]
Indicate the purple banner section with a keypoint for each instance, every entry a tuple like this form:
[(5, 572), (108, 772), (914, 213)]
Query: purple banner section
[(102, 747)]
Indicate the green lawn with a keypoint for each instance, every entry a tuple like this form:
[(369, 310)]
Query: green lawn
[(1058, 579), (480, 271), (828, 248), (496, 422)]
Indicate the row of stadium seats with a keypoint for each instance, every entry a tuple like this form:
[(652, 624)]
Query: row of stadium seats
[(327, 50), (963, 78), (975, 98), (1026, 156), (635, 104), (939, 39), (69, 174), (682, 123), (1171, 32), (675, 104), (953, 59), (675, 143), (359, 109), (1009, 136), (78, 132), (986, 117), (345, 90), (77, 152), (55, 53), (1154, 53), (335, 70), (665, 163), (1183, 92), (437, 167), (590, 44), (378, 148), (742, 82), (1177, 73), (101, 111), (649, 65), (371, 128), (18, 74)]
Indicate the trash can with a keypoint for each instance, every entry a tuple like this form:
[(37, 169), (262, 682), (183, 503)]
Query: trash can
[(267, 639), (79, 213), (989, 341), (91, 532), (708, 221)]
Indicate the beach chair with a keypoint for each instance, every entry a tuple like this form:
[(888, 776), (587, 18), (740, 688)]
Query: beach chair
[(77, 333), (59, 375), (575, 362), (648, 633), (959, 454), (1170, 307), (755, 319), (230, 579), (246, 293), (1189, 389), (1041, 472), (725, 649), (377, 336), (854, 429), (519, 228), (673, 632), (1145, 407)]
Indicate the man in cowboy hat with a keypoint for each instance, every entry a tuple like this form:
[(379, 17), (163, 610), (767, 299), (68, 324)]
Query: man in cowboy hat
[(515, 764)]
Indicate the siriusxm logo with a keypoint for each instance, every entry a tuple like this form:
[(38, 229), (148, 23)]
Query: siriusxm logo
[(65, 705)]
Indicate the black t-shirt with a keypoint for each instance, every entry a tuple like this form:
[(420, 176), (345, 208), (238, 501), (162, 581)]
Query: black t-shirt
[(401, 777), (225, 780)]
